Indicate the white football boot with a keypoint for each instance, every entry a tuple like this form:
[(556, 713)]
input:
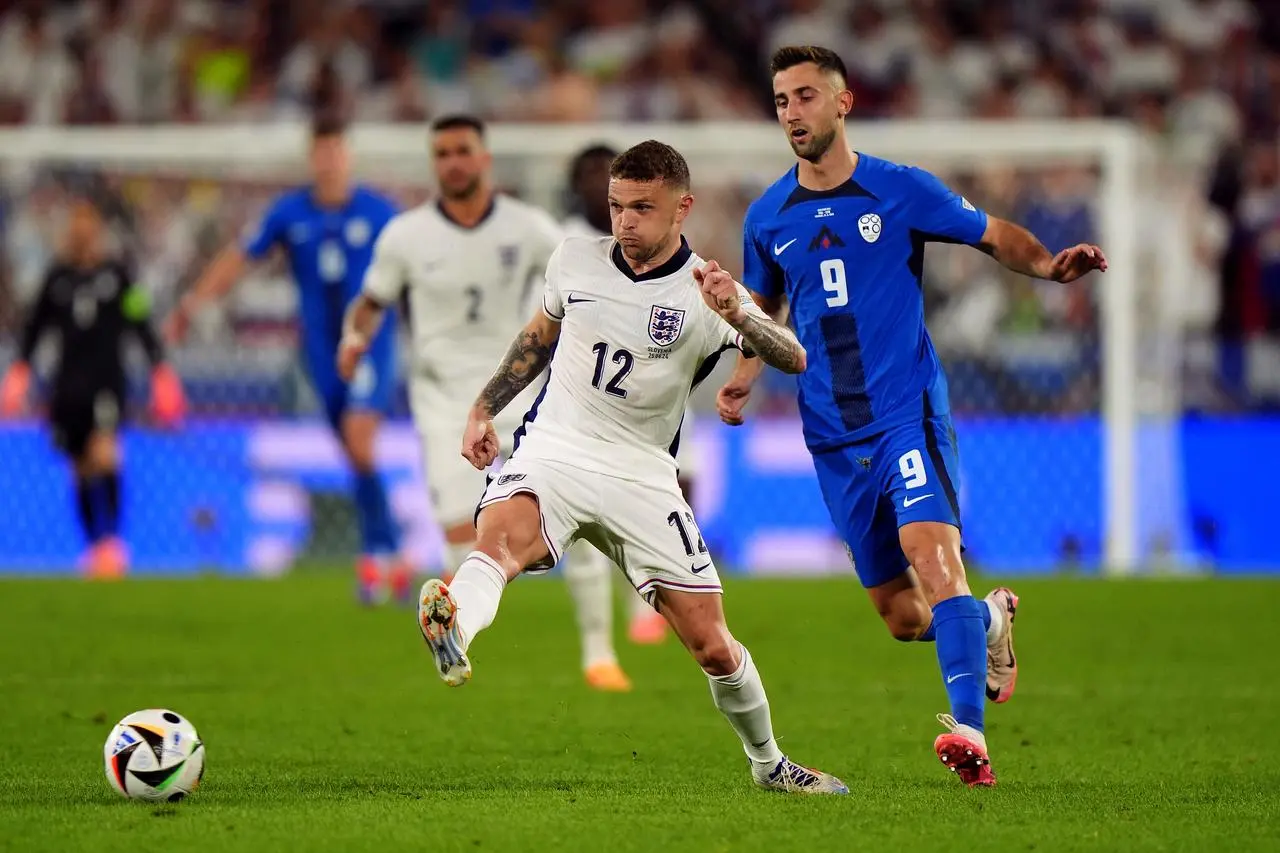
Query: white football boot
[(438, 621)]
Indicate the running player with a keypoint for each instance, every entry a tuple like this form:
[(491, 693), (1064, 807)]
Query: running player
[(634, 321), (89, 300), (841, 237), (328, 229), (469, 262)]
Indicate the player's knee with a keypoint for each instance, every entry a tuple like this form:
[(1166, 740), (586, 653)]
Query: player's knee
[(934, 552), (100, 456), (717, 655)]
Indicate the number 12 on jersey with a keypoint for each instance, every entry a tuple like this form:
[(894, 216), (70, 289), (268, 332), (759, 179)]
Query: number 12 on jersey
[(625, 362)]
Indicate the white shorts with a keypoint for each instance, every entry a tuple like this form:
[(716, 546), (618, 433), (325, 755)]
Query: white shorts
[(646, 527)]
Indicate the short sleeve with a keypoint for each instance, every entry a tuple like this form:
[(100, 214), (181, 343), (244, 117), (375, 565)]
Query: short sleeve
[(269, 230), (552, 297), (941, 214), (385, 278), (759, 272)]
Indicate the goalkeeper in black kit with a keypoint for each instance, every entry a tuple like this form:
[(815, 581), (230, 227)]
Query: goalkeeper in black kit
[(89, 302)]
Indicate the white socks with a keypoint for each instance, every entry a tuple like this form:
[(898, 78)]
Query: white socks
[(997, 621), (740, 697), (586, 571), (477, 590)]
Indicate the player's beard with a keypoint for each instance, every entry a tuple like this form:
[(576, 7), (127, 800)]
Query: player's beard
[(816, 146), (464, 192)]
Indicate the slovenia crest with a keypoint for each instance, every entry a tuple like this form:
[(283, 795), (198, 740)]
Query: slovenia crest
[(665, 325)]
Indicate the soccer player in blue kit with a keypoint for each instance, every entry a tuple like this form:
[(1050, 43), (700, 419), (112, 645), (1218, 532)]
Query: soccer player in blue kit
[(838, 242), (327, 230)]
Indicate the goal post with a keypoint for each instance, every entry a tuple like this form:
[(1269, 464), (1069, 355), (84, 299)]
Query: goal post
[(735, 161)]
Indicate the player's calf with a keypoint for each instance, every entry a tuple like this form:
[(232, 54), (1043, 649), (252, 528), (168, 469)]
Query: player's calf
[(738, 691)]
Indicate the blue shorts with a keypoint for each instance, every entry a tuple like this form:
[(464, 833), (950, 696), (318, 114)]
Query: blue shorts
[(872, 487), (372, 388)]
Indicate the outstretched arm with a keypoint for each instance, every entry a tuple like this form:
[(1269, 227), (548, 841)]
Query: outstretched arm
[(214, 283), (528, 356), (1017, 249)]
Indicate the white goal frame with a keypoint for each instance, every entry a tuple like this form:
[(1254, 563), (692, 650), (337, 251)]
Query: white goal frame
[(1116, 148)]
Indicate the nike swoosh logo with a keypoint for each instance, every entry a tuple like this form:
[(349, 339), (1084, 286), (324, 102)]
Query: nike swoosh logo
[(778, 250), (908, 502), (951, 678), (574, 300), (699, 569)]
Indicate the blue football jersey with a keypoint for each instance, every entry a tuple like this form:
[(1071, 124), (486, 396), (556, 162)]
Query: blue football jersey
[(328, 251), (850, 261)]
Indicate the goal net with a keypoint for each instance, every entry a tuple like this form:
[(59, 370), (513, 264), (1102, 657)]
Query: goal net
[(1065, 397)]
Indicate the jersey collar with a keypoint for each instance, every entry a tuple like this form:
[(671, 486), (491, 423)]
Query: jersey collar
[(672, 266), (484, 217), (849, 189)]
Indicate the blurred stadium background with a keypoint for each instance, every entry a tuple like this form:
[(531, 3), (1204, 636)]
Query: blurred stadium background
[(1126, 425)]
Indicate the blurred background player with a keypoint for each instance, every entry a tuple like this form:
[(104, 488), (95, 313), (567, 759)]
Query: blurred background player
[(89, 300), (839, 241), (588, 207), (470, 263), (328, 229)]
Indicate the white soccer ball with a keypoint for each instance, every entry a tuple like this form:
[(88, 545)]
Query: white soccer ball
[(154, 755)]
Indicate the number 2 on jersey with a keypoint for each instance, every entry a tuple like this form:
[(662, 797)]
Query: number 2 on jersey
[(834, 282), (620, 357), (474, 296)]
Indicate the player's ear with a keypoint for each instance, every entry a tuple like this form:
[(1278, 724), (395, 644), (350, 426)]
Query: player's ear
[(845, 99), (684, 206)]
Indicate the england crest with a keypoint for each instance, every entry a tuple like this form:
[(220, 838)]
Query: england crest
[(665, 325), (507, 256)]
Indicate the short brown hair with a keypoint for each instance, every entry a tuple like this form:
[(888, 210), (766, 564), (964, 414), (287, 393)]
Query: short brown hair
[(459, 121), (327, 123), (651, 160), (793, 55)]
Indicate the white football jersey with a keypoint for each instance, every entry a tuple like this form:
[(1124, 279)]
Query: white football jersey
[(470, 290), (630, 350)]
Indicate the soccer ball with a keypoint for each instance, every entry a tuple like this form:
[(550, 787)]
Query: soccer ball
[(154, 755)]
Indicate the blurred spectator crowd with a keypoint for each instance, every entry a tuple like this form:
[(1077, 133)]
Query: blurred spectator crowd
[(1202, 76)]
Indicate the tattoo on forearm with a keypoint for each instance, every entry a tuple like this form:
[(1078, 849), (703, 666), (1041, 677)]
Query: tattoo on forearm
[(773, 343), (523, 363)]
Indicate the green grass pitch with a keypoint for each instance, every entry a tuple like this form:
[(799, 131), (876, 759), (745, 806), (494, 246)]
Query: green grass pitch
[(1146, 719)]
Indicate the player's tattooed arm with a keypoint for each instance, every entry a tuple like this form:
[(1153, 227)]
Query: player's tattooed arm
[(528, 356), (772, 343)]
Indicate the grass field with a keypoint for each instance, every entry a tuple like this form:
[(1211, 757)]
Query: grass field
[(1145, 720)]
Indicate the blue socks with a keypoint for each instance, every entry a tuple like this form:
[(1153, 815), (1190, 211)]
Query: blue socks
[(930, 634), (378, 532), (959, 625)]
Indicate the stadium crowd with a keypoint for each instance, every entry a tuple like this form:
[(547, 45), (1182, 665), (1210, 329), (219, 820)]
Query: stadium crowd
[(1202, 76)]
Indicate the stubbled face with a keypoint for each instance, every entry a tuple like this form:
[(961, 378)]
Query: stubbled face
[(811, 105), (646, 216), (461, 162)]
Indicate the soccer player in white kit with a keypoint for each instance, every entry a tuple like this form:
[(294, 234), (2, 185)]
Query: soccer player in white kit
[(634, 321), (588, 197), (470, 263)]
